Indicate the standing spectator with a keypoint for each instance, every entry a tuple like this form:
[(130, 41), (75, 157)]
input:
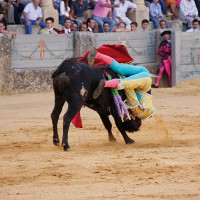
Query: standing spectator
[(155, 13), (106, 27), (80, 11), (67, 27), (188, 11), (92, 25), (119, 13), (134, 26), (32, 15), (164, 51), (163, 24), (103, 13), (49, 27), (65, 7), (195, 26), (83, 27), (145, 25)]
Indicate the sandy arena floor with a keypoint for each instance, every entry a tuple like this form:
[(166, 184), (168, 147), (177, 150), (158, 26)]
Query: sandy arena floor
[(164, 163)]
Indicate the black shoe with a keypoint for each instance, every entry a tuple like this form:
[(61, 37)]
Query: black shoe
[(99, 89), (91, 56)]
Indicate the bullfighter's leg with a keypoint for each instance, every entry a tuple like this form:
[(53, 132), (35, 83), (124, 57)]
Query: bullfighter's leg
[(108, 126), (73, 109), (59, 102)]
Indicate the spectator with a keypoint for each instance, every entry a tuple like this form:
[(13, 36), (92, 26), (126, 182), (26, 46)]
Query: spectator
[(188, 11), (32, 15), (163, 7), (164, 51), (67, 27), (80, 11), (103, 13), (197, 2), (145, 25), (106, 27), (8, 10), (65, 7), (155, 13), (172, 5), (195, 26), (49, 27), (74, 27), (134, 26), (83, 27), (3, 28), (121, 28), (163, 24), (92, 25), (119, 13)]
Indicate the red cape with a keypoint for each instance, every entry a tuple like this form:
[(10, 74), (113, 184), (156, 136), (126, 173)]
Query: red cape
[(116, 51)]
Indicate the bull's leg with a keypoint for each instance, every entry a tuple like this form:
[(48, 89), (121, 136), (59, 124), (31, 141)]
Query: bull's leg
[(118, 123), (106, 122), (59, 102), (73, 109)]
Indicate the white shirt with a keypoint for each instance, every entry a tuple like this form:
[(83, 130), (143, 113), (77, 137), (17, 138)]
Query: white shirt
[(67, 31), (32, 12), (63, 10), (193, 30), (121, 11), (188, 8)]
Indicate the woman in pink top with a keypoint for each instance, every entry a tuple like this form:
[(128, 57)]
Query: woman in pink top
[(103, 13)]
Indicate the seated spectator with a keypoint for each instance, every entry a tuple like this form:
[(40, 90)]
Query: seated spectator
[(80, 11), (74, 27), (155, 13), (3, 28), (172, 5), (92, 25), (163, 24), (8, 10), (121, 28), (83, 27), (119, 13), (65, 7), (106, 27), (32, 15), (145, 25), (188, 11), (134, 26), (67, 27), (92, 3), (195, 26), (163, 7), (49, 27), (103, 13)]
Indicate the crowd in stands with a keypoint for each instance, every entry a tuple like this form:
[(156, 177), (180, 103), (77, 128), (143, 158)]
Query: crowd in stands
[(107, 15)]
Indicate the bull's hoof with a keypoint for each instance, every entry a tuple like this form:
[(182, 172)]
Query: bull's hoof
[(129, 141), (112, 139), (56, 142), (66, 147)]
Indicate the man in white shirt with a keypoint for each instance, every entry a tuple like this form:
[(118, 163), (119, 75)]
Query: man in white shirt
[(32, 15), (195, 26), (188, 11), (119, 13)]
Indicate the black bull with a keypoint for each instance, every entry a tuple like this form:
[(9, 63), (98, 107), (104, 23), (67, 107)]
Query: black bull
[(75, 83)]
